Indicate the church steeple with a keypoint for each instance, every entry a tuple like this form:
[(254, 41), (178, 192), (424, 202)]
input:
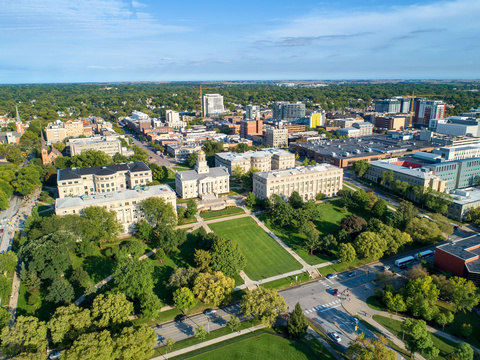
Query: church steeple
[(18, 122)]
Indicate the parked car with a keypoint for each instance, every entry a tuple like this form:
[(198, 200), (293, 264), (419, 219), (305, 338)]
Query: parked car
[(335, 292), (332, 276), (354, 320), (209, 312), (54, 355), (180, 318), (335, 336), (351, 273)]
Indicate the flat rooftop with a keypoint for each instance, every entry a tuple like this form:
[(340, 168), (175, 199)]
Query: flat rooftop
[(299, 170), (403, 170), (471, 195), (467, 249), (97, 199), (232, 156)]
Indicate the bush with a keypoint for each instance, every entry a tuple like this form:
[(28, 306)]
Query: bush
[(159, 255), (33, 299)]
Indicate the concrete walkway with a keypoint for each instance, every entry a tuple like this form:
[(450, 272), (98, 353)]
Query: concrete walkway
[(209, 342), (324, 343), (12, 305)]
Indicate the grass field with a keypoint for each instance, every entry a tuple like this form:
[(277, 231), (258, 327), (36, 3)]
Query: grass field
[(444, 345), (222, 213), (267, 346), (265, 257)]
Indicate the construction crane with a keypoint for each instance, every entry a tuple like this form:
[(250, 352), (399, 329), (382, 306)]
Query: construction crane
[(411, 104), (201, 97)]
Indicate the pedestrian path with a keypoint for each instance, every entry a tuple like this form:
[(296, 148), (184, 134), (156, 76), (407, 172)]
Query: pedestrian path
[(326, 283), (324, 307)]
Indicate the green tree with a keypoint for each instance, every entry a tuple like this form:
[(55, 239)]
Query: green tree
[(443, 224), (297, 323), (247, 179), (227, 257), (101, 224), (150, 304), (168, 239), (387, 177), (90, 158), (202, 259), (463, 352), (424, 231), (346, 252), (5, 317), (192, 160), (59, 146), (361, 198), (8, 262), (312, 241), (364, 348), (182, 277), (473, 215), (200, 333), (169, 344), (92, 346), (466, 330), (417, 338), (463, 293), (370, 245), (133, 277), (61, 291), (27, 336), (233, 323), (238, 173), (184, 299), (265, 304), (158, 172), (444, 318), (353, 224), (295, 200), (360, 167), (408, 211), (379, 208), (191, 208), (80, 276), (213, 288), (28, 178), (251, 200), (157, 211), (135, 343), (111, 309), (67, 323), (421, 295)]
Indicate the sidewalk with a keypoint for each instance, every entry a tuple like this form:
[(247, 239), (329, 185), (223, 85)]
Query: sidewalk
[(209, 342), (324, 343)]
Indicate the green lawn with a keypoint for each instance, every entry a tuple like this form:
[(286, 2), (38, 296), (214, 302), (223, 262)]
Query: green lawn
[(222, 213), (265, 257), (287, 282), (444, 345), (375, 303), (265, 346)]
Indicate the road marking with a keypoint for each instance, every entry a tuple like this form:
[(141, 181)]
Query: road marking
[(330, 281), (330, 308)]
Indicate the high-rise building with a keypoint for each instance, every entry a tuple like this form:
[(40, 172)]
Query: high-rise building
[(212, 105), (391, 106), (276, 137), (252, 112), (317, 118), (251, 127), (425, 110), (283, 110)]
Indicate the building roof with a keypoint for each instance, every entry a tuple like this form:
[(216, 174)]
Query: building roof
[(77, 173), (232, 156), (299, 170), (98, 199), (466, 196), (387, 166), (466, 249), (193, 175)]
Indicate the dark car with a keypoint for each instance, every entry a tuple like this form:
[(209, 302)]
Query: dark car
[(351, 273), (181, 318), (335, 292)]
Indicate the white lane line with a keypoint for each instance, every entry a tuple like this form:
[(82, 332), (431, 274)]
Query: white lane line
[(330, 308), (330, 281)]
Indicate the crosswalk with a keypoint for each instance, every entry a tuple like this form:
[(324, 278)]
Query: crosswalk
[(326, 282), (324, 307)]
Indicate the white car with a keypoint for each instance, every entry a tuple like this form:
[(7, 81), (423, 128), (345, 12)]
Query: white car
[(335, 336)]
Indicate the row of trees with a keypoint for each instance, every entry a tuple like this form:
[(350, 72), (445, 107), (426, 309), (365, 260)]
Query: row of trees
[(23, 180)]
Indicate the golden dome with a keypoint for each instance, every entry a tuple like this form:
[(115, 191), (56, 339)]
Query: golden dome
[(201, 152)]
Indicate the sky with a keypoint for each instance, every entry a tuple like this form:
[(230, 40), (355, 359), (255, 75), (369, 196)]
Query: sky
[(52, 41)]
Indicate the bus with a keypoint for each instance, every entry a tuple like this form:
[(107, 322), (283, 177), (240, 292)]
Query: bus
[(403, 262), (424, 254), (455, 226)]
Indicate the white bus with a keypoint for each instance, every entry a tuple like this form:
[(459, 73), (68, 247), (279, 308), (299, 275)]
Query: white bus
[(403, 262), (424, 254)]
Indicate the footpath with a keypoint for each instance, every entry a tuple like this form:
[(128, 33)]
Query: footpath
[(209, 342)]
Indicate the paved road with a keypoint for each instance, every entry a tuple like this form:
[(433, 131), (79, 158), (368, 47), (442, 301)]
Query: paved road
[(161, 160), (180, 330), (7, 216)]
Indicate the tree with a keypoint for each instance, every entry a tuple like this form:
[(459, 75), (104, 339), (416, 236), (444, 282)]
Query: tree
[(8, 262), (28, 178), (353, 224), (329, 241), (443, 224), (111, 309), (134, 277), (295, 200), (192, 159), (251, 200), (67, 323), (61, 291), (247, 179), (213, 288), (202, 259), (80, 276), (346, 252), (360, 198), (463, 293), (184, 299), (297, 323), (265, 304), (370, 245), (408, 211), (437, 201), (168, 239), (424, 231), (305, 161), (227, 257), (158, 172), (466, 330), (417, 338), (238, 173), (92, 346), (150, 304), (182, 277), (312, 241), (135, 343), (393, 219), (157, 211), (421, 295), (200, 333), (364, 348), (444, 318), (360, 167), (387, 177), (463, 352), (473, 215), (169, 344), (191, 209), (27, 336), (101, 224), (416, 271), (233, 323), (379, 208)]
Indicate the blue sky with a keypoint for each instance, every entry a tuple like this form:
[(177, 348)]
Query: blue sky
[(114, 40)]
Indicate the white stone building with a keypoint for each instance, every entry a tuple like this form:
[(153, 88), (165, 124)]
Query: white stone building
[(203, 181), (264, 160)]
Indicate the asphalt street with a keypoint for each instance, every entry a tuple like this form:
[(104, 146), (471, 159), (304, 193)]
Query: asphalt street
[(9, 216), (160, 160)]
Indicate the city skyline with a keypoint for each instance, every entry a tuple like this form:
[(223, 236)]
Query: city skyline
[(51, 41)]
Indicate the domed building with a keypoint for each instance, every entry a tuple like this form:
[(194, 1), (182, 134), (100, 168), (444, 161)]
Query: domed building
[(203, 181)]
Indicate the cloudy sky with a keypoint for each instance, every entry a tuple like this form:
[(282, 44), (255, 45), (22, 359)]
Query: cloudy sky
[(114, 40)]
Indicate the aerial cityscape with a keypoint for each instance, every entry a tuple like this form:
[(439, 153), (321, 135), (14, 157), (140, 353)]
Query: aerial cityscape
[(240, 181)]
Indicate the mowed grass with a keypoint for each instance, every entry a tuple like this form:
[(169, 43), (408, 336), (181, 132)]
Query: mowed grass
[(264, 256), (222, 213), (268, 347)]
